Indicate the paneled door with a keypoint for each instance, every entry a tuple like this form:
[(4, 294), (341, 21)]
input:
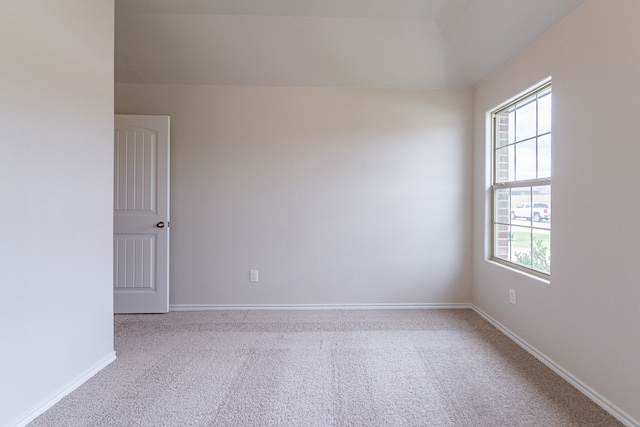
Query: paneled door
[(141, 214)]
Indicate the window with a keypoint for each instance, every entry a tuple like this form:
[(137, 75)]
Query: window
[(521, 190)]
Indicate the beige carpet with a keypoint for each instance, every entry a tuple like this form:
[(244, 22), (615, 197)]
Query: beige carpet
[(321, 368)]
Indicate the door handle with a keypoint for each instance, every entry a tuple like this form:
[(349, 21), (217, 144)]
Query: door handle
[(160, 224)]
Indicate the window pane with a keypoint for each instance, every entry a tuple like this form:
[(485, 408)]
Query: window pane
[(521, 206), (541, 209), (544, 156), (521, 246), (544, 113), (526, 120), (505, 164), (512, 127), (541, 251), (526, 160), (504, 128), (502, 241), (502, 202)]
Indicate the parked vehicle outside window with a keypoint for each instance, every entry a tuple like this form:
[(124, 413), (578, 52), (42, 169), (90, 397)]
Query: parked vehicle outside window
[(539, 212)]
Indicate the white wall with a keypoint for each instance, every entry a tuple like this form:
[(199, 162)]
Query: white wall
[(586, 320), (56, 161), (337, 196)]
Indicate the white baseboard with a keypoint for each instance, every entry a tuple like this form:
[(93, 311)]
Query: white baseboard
[(56, 397), (612, 409), (209, 307)]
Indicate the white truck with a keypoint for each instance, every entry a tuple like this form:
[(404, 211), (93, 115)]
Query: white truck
[(539, 211)]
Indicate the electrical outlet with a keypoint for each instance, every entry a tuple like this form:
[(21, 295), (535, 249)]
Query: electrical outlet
[(253, 275), (512, 296)]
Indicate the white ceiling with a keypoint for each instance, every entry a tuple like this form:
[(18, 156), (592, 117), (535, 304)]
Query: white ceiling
[(343, 43)]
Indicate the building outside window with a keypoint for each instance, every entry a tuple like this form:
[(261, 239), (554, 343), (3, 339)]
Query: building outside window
[(521, 190)]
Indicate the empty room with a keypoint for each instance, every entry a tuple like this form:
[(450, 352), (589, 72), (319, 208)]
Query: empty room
[(320, 213)]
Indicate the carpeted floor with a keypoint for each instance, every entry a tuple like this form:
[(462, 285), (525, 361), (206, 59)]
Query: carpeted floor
[(321, 368)]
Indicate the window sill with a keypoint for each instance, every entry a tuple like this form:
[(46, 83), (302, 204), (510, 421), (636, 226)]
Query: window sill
[(541, 277)]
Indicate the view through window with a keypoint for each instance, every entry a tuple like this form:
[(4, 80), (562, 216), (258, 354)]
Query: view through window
[(522, 182)]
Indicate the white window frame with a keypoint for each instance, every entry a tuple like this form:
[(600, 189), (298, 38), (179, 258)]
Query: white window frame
[(501, 227)]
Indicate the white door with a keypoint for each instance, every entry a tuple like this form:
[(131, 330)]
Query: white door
[(141, 214)]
